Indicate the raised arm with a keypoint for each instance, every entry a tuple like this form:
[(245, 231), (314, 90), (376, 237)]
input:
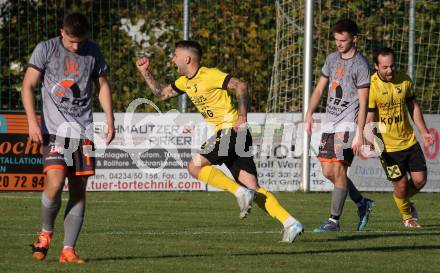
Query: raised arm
[(30, 82), (417, 116), (314, 102), (241, 91), (162, 91), (105, 99)]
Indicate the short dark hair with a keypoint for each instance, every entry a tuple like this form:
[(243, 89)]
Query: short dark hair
[(193, 46), (346, 25), (76, 25), (384, 51)]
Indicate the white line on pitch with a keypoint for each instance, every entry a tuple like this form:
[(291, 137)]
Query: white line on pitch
[(64, 199), (121, 233)]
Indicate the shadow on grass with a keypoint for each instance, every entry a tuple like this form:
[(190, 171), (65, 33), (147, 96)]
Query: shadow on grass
[(290, 252), (432, 227), (366, 236)]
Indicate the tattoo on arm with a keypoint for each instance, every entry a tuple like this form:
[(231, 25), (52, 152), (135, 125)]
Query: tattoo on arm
[(243, 99), (242, 95), (154, 85), (168, 92)]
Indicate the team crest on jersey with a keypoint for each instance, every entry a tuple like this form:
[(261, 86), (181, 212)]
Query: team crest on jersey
[(193, 88), (398, 89), (394, 171)]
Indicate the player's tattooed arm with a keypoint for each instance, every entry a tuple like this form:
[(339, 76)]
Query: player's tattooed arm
[(241, 89), (154, 85), (168, 92), (162, 91)]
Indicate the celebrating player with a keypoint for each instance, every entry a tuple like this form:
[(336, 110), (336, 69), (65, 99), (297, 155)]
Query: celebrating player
[(208, 90), (67, 65), (346, 74), (391, 99)]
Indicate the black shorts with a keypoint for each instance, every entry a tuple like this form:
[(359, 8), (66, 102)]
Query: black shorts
[(56, 155), (336, 147), (231, 148), (397, 164)]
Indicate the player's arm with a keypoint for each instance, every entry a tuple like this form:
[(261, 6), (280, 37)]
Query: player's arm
[(371, 115), (164, 92), (417, 116), (105, 99), (362, 116), (241, 91), (30, 82), (315, 99)]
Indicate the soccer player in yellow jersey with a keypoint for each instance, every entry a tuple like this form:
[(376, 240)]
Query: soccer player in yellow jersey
[(390, 101), (208, 90)]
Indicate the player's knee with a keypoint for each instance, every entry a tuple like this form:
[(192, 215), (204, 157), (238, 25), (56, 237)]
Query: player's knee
[(193, 169), (329, 174), (419, 183), (53, 192)]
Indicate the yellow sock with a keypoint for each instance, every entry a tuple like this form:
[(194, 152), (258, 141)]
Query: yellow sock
[(215, 177), (403, 206), (269, 203)]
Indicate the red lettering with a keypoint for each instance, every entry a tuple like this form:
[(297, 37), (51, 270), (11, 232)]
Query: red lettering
[(5, 147), (17, 145)]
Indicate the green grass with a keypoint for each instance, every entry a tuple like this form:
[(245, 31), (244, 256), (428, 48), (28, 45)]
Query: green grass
[(201, 232)]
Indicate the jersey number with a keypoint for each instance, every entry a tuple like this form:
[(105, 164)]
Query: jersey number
[(208, 114)]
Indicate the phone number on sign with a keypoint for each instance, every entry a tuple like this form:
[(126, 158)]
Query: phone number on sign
[(20, 182)]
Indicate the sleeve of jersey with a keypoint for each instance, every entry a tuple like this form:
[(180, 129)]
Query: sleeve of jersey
[(38, 58), (409, 94), (372, 100), (100, 68), (220, 80), (325, 69), (363, 76), (179, 86)]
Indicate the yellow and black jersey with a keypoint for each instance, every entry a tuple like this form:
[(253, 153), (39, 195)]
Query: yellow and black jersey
[(388, 100), (207, 91)]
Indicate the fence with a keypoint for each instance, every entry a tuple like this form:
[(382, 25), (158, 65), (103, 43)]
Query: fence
[(237, 36)]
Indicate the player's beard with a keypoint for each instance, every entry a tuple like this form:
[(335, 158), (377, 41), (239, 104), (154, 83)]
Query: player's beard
[(387, 76)]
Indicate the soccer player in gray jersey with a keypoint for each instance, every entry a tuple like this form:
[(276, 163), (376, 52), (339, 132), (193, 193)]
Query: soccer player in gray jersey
[(67, 65), (346, 77)]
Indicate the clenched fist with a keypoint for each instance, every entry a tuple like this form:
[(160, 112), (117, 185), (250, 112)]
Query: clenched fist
[(142, 64)]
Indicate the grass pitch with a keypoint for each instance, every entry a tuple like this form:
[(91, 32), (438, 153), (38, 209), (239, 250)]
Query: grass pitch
[(201, 232)]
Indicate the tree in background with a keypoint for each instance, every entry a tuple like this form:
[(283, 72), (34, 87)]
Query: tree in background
[(237, 37)]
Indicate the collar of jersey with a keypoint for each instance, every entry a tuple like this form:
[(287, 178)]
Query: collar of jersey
[(355, 53), (197, 72), (77, 53), (380, 78)]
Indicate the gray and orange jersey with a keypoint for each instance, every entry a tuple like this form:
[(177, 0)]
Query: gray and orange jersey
[(67, 86), (345, 77)]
